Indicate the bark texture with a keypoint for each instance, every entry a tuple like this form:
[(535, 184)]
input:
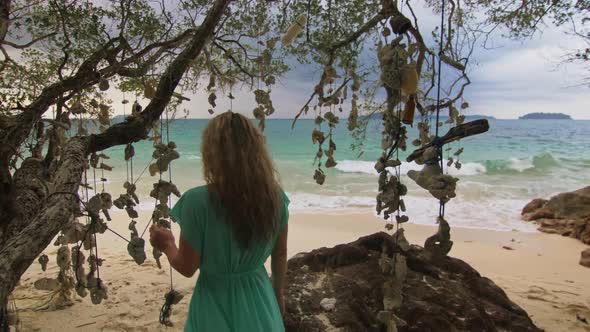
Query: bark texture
[(46, 203)]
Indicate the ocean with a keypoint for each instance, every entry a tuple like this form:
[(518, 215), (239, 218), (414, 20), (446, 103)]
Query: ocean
[(502, 170)]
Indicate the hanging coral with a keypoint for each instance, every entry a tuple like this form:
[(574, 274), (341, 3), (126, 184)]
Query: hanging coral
[(294, 30)]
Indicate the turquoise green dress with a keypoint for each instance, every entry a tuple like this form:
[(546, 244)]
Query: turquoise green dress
[(233, 291)]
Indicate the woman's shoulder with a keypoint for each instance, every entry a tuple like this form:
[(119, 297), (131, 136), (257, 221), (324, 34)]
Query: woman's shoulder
[(197, 193)]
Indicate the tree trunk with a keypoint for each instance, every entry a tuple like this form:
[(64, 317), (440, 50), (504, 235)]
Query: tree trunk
[(20, 251)]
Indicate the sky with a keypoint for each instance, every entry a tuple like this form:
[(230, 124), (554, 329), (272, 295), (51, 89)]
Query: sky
[(511, 79)]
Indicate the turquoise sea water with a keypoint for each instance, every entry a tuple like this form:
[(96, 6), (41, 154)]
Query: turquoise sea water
[(517, 160)]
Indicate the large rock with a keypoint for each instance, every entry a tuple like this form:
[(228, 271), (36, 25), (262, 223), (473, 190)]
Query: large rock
[(439, 294), (567, 214), (585, 258)]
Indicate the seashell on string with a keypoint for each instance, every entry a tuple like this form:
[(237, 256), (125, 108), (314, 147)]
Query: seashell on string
[(317, 137), (98, 290), (43, 260), (212, 83), (319, 176), (262, 97), (458, 152), (212, 97), (464, 105), (400, 24), (136, 249), (100, 203), (210, 111), (77, 107), (164, 155), (330, 162), (136, 108), (458, 164), (332, 119), (64, 257), (103, 85), (294, 30), (450, 162), (129, 152), (103, 115), (162, 190), (259, 113)]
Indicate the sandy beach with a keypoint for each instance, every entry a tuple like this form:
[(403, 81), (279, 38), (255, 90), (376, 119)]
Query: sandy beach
[(541, 273)]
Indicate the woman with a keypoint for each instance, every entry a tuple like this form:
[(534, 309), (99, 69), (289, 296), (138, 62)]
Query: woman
[(229, 228)]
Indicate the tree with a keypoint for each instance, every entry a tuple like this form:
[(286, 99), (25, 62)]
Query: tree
[(62, 55)]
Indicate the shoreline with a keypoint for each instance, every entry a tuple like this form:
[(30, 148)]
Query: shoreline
[(541, 274)]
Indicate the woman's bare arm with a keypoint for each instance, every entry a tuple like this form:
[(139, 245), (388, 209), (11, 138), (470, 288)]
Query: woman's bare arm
[(279, 267), (182, 258)]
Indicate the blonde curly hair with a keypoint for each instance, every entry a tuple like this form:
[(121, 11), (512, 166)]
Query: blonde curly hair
[(241, 177)]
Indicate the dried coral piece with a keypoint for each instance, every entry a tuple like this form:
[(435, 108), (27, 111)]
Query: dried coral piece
[(319, 176), (441, 186), (162, 190), (164, 155), (103, 115), (294, 30), (98, 290), (74, 232), (136, 249), (43, 260), (440, 243), (100, 203), (64, 257)]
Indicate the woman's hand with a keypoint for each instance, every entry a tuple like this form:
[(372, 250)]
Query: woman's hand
[(161, 238)]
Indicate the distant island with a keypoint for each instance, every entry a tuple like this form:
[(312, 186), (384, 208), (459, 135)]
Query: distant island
[(545, 116)]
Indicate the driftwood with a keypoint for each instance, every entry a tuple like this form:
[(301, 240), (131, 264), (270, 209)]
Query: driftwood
[(461, 131)]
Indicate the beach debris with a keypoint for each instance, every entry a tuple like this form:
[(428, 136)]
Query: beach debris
[(507, 248), (100, 203), (581, 319), (171, 298), (294, 30), (43, 260), (440, 243), (328, 304), (164, 155)]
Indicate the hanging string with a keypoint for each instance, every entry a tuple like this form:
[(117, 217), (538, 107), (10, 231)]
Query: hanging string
[(441, 209)]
